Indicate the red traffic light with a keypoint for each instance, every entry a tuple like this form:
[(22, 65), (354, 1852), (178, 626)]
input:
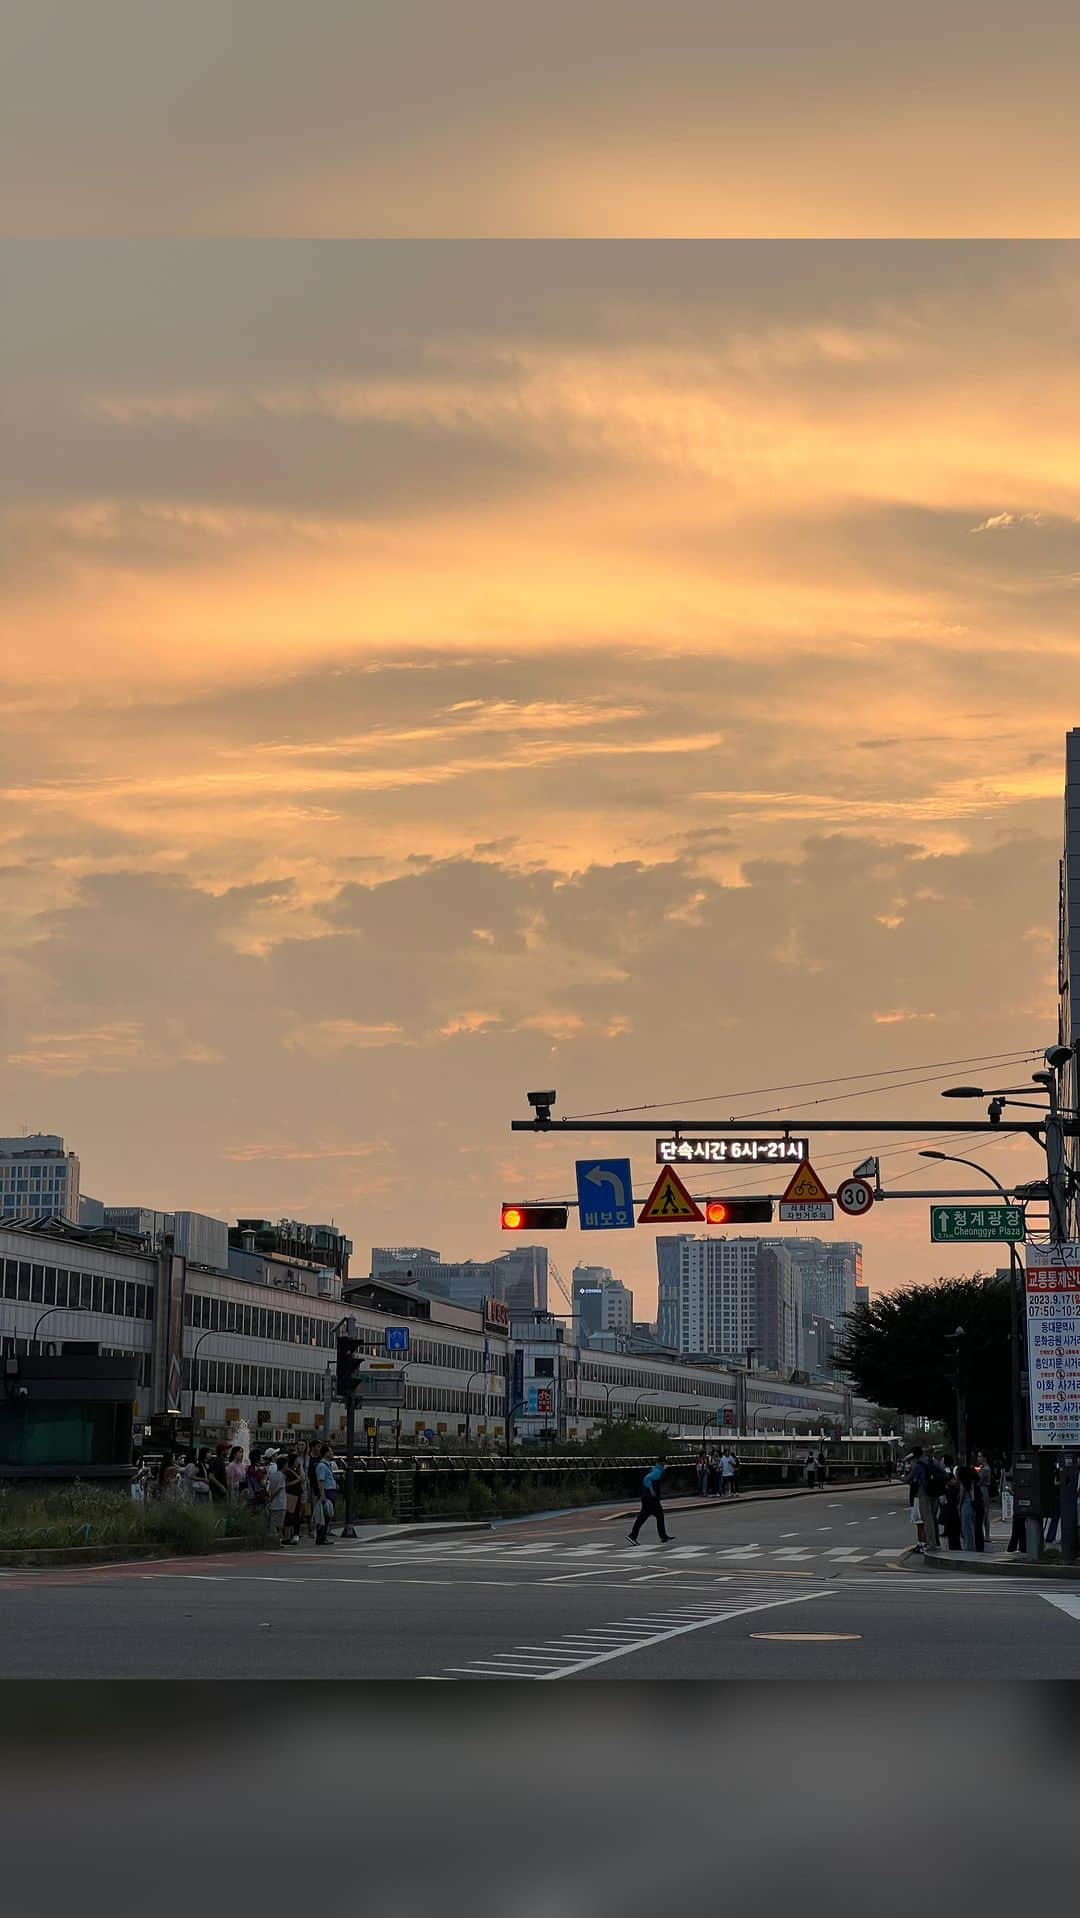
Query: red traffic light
[(738, 1211), (534, 1218)]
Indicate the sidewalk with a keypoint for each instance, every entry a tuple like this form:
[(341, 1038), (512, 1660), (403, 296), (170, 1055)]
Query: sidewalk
[(995, 1560)]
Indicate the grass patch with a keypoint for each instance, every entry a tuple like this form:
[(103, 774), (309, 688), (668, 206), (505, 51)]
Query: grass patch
[(92, 1515)]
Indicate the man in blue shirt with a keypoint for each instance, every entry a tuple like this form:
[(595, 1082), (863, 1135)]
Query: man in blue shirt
[(650, 1504)]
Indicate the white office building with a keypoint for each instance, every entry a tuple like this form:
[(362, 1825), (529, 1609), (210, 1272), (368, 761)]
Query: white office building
[(38, 1179)]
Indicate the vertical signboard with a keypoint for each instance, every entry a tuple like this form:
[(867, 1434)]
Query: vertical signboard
[(1052, 1291)]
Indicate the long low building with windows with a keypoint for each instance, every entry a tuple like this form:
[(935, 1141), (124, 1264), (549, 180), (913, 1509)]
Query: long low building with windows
[(230, 1349)]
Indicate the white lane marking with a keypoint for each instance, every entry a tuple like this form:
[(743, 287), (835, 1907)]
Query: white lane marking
[(1065, 1602), (679, 1631), (794, 1551), (853, 1521), (890, 1551), (569, 1578), (849, 1553), (688, 1551), (741, 1551), (824, 1528), (789, 1534)]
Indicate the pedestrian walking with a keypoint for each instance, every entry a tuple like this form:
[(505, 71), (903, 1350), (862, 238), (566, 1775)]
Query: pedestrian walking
[(822, 1469), (727, 1474), (714, 1475), (810, 1470), (701, 1467), (650, 1505)]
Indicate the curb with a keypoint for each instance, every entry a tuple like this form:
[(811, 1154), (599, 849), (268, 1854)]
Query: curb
[(426, 1527), (88, 1555), (982, 1566)]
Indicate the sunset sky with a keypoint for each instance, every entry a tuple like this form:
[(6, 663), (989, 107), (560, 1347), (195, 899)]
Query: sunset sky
[(442, 669)]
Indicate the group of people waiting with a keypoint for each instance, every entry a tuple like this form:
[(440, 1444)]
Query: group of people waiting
[(952, 1502), (717, 1474), (295, 1490)]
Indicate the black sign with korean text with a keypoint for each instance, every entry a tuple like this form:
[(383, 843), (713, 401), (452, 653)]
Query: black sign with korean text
[(731, 1151)]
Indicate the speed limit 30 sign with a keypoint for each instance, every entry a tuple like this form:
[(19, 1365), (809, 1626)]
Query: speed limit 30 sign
[(855, 1197)]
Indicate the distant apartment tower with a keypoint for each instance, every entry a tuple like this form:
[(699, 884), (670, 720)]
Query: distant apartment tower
[(519, 1278), (603, 1305), (668, 1270), (734, 1298), (38, 1179), (830, 1272)]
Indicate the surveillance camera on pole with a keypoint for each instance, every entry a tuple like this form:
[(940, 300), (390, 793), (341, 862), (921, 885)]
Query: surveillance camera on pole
[(541, 1103), (1058, 1057)]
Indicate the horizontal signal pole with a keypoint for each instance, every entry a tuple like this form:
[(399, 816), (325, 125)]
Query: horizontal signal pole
[(746, 1126), (776, 1198)]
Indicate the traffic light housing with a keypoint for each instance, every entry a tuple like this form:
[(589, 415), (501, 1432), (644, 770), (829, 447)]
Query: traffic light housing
[(534, 1218), (349, 1365), (738, 1211)]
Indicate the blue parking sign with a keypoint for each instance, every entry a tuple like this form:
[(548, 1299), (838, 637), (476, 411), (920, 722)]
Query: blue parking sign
[(605, 1195), (397, 1338)]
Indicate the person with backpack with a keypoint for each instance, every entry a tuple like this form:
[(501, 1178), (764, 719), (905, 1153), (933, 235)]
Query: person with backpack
[(926, 1481), (650, 1505), (971, 1509)]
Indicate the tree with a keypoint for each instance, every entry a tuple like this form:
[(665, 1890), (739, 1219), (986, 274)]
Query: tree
[(898, 1352)]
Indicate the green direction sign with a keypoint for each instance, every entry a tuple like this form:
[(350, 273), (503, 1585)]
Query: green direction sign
[(958, 1224)]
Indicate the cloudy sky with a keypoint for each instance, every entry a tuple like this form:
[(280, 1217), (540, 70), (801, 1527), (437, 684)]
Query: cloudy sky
[(437, 670), (501, 117)]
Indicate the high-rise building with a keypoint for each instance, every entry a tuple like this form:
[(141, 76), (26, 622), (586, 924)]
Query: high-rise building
[(668, 1270), (603, 1305), (38, 1179), (830, 1270), (733, 1298), (519, 1278)]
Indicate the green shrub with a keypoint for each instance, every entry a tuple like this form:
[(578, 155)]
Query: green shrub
[(96, 1515)]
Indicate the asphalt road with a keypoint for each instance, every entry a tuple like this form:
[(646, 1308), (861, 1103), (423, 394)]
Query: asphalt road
[(806, 1587)]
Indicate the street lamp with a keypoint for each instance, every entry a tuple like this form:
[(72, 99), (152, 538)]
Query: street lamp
[(468, 1402), (194, 1361), (1018, 1434), (44, 1315)]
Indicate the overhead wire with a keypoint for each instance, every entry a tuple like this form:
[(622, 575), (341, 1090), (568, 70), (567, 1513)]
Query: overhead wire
[(894, 1073)]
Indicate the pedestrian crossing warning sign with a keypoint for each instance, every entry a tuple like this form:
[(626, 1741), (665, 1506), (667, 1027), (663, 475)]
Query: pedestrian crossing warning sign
[(669, 1203), (804, 1187)]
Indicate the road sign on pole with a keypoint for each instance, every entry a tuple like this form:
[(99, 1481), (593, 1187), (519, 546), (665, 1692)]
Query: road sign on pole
[(805, 1201), (669, 1203), (1052, 1296), (854, 1196), (986, 1224), (605, 1195)]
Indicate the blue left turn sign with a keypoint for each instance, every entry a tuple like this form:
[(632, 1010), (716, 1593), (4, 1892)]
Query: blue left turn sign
[(605, 1195)]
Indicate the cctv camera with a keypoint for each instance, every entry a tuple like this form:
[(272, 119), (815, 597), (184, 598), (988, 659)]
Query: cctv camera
[(1057, 1056), (540, 1098)]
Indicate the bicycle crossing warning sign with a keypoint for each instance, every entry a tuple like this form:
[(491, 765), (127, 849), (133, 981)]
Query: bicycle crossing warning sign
[(669, 1203), (805, 1200)]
